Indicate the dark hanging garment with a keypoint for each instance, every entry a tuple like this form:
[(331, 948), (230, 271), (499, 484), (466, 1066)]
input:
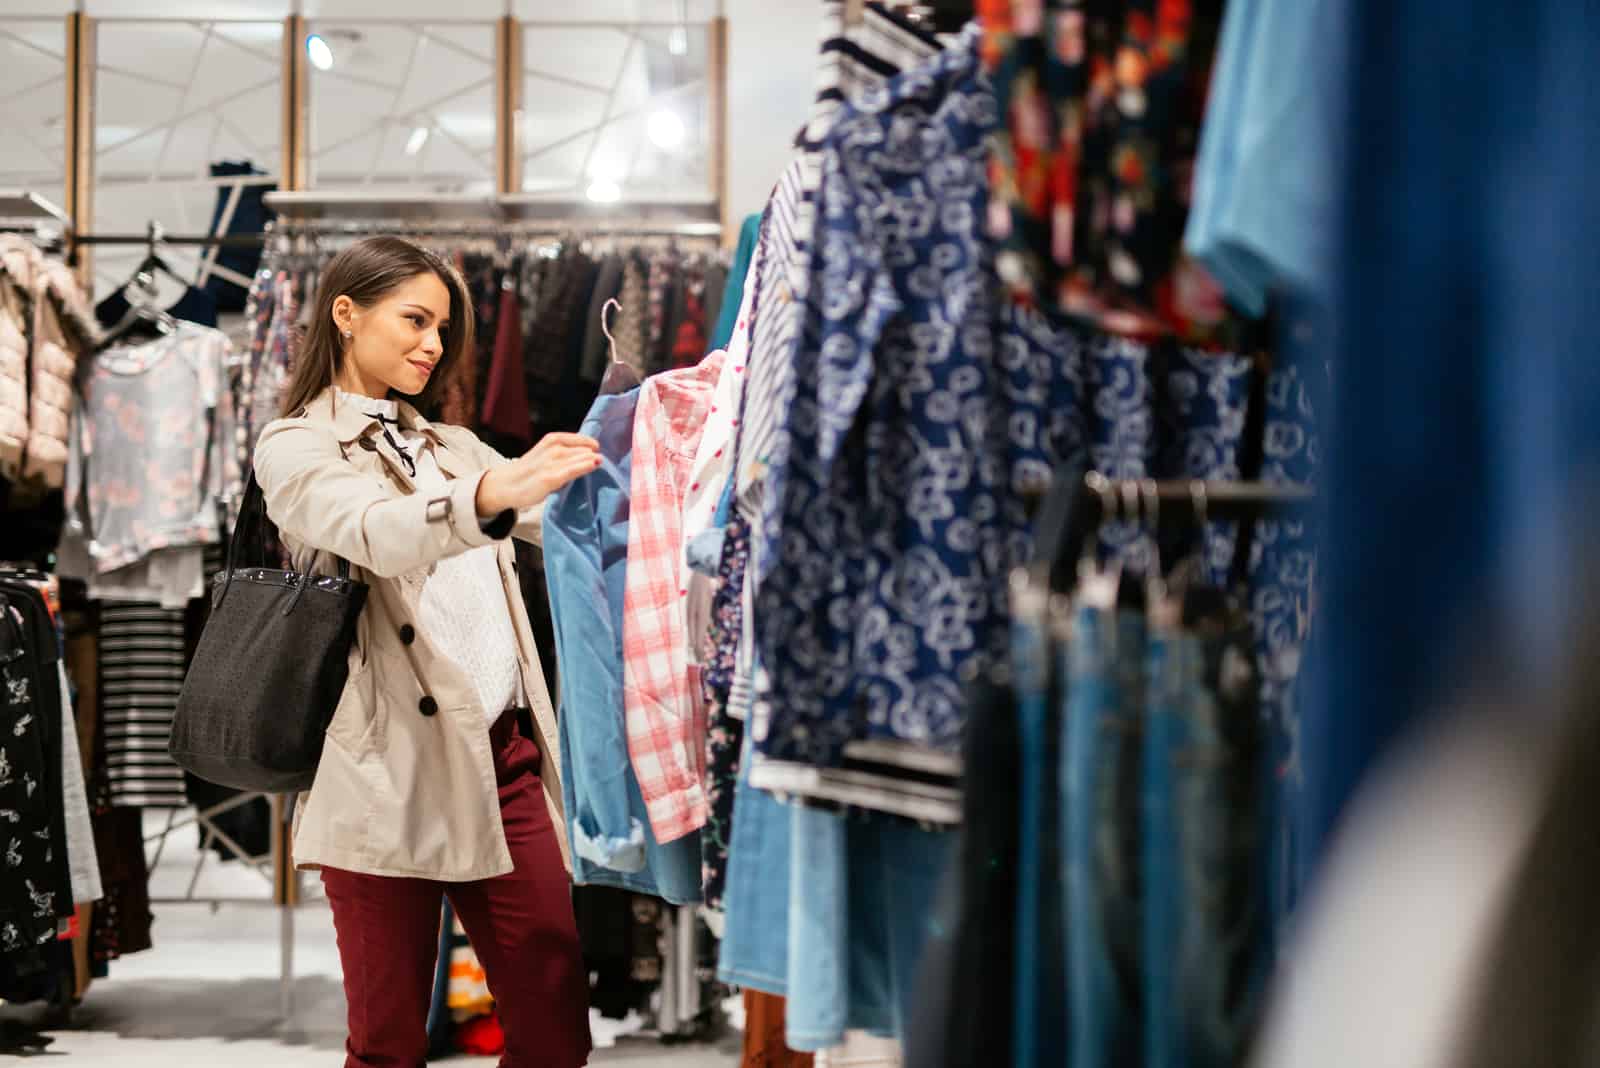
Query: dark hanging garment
[(34, 518), (536, 595), (249, 216), (965, 996), (596, 349), (36, 886)]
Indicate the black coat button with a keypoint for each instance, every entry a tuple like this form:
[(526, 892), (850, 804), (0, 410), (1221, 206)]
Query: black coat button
[(408, 634), (428, 706)]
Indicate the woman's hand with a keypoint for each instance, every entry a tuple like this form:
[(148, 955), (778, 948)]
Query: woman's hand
[(537, 473)]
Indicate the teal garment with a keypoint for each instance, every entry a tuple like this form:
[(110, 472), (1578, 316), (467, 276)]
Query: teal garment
[(733, 293), (1264, 194)]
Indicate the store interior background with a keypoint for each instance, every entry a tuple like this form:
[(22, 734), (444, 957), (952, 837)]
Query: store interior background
[(183, 83)]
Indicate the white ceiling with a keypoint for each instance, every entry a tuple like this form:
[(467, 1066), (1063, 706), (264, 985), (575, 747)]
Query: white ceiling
[(182, 83)]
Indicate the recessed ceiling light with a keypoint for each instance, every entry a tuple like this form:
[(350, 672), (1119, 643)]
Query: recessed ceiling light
[(666, 129), (419, 137), (319, 53), (604, 191)]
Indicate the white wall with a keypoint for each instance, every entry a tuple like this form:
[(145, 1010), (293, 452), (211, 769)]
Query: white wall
[(772, 70)]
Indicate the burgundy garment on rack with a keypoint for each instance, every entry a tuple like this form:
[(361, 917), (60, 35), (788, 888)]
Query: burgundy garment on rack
[(505, 406), (689, 347)]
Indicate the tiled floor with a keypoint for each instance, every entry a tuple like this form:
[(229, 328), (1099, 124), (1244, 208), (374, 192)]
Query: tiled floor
[(208, 993)]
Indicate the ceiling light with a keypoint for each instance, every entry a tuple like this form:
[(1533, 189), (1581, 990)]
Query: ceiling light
[(319, 53), (666, 129), (678, 41), (419, 137), (604, 191)]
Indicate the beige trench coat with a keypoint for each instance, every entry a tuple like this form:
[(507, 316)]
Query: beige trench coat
[(400, 791)]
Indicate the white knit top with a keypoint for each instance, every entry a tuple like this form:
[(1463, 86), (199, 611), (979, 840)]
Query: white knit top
[(462, 605)]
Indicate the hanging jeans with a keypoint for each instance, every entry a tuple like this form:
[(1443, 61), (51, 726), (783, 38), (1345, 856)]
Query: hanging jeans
[(861, 908), (1039, 982), (1204, 907), (1100, 771), (755, 939)]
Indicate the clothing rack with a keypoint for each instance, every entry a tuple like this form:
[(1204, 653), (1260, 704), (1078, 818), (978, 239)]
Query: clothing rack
[(19, 205), (488, 216), (1071, 512), (22, 212), (244, 240)]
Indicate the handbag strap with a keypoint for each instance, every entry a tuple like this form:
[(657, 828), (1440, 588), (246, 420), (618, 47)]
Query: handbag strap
[(247, 546)]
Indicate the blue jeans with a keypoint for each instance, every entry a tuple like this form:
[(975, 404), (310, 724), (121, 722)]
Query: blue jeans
[(1100, 766), (1040, 981), (755, 942), (861, 904), (1205, 915)]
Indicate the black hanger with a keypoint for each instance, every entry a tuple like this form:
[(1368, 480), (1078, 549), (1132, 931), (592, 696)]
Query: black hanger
[(153, 260), (142, 308)]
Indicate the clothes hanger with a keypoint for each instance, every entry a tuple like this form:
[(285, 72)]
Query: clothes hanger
[(142, 309), (142, 295), (619, 376), (1100, 586), (153, 260)]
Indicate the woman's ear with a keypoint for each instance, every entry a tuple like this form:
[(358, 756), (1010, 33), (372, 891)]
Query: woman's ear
[(344, 312)]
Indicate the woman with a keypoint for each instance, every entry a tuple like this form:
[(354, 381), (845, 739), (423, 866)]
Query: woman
[(426, 786)]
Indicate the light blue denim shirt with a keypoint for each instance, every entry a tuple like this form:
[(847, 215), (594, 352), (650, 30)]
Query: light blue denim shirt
[(585, 560)]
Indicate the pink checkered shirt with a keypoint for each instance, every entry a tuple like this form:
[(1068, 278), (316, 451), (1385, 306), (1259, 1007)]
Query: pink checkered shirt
[(660, 688)]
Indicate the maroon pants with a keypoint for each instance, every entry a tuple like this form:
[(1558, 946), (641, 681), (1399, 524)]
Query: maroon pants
[(521, 926)]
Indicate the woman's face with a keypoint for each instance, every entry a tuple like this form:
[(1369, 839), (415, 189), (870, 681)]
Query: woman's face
[(394, 344)]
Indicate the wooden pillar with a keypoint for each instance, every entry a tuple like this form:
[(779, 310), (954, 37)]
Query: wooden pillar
[(79, 146), (508, 105), (295, 174), (718, 53)]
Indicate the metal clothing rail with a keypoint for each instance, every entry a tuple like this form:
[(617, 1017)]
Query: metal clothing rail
[(1073, 509), (17, 205), (490, 231), (241, 240), (692, 214)]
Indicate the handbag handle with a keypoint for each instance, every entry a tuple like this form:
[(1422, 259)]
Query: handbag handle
[(249, 537)]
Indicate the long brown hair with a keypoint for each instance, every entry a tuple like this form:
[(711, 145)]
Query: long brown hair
[(366, 272)]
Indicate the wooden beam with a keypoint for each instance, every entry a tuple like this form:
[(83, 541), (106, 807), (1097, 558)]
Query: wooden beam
[(508, 105), (718, 51), (79, 148), (295, 173)]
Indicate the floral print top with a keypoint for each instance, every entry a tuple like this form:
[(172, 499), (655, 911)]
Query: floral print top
[(153, 454), (1091, 170)]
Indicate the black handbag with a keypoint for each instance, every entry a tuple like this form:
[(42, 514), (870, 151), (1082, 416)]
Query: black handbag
[(270, 667)]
